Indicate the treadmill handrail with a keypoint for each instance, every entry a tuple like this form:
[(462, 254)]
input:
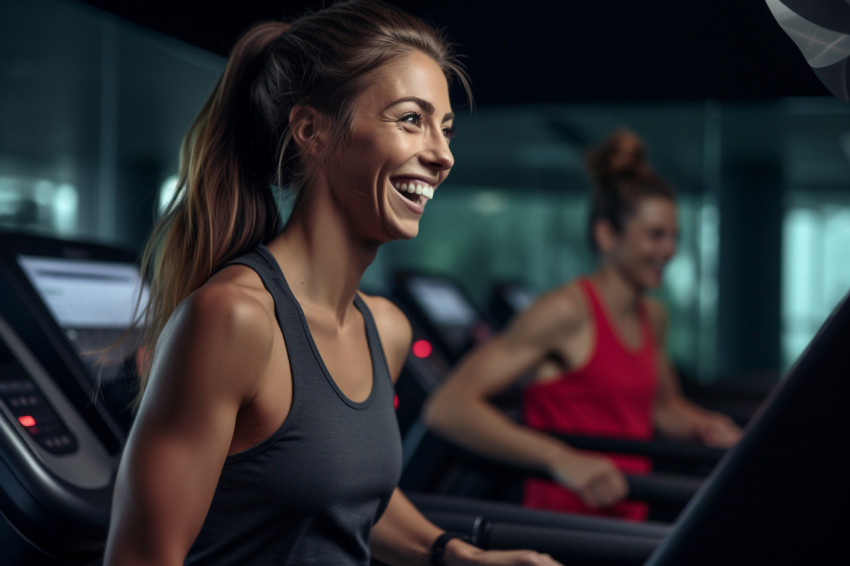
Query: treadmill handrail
[(514, 513), (568, 545), (574, 547), (655, 448), (654, 487)]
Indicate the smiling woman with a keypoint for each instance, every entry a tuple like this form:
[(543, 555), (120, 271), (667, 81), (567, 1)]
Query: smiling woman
[(265, 430), (595, 349), (398, 150)]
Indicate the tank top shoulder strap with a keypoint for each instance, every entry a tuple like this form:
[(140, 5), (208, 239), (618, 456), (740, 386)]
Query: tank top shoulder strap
[(604, 324), (287, 310), (646, 327), (597, 309), (606, 335), (379, 361), (259, 260), (299, 341), (264, 264)]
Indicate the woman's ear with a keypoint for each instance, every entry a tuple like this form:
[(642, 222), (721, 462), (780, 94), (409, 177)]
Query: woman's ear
[(310, 130), (604, 235)]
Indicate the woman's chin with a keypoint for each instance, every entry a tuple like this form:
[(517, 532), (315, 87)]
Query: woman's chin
[(405, 230)]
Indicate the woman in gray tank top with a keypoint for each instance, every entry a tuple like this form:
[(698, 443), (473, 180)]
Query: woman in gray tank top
[(265, 431)]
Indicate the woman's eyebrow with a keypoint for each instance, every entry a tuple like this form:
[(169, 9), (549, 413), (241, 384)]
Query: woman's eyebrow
[(426, 106)]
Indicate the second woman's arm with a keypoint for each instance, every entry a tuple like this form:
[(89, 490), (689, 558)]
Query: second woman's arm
[(674, 415), (460, 410)]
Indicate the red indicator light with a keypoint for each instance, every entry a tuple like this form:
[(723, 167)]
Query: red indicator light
[(26, 421), (422, 348), (395, 401)]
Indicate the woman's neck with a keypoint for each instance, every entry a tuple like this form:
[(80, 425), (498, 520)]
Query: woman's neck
[(621, 295), (322, 261)]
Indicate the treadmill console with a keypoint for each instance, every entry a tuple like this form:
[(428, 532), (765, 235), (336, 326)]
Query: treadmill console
[(24, 402), (93, 301), (73, 305), (444, 309), (64, 405)]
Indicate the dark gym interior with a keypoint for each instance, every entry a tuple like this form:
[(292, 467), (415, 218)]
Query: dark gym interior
[(96, 96)]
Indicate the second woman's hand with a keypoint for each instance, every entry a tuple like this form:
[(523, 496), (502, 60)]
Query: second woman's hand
[(460, 553), (718, 430), (594, 478)]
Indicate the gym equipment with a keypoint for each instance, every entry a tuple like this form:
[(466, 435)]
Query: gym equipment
[(63, 417)]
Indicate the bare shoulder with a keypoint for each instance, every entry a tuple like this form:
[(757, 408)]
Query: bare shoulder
[(393, 328), (219, 338), (571, 303), (560, 311), (236, 303), (388, 317)]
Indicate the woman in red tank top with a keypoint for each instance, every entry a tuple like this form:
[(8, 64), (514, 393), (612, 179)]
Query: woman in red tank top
[(595, 348)]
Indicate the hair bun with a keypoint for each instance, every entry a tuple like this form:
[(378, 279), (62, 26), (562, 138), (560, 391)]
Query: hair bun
[(622, 154)]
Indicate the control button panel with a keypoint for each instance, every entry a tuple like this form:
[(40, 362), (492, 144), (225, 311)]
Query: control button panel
[(30, 408)]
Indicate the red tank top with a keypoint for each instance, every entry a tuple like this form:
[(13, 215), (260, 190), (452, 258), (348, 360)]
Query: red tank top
[(611, 394)]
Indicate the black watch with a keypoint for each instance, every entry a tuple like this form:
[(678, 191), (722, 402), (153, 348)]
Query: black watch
[(438, 549)]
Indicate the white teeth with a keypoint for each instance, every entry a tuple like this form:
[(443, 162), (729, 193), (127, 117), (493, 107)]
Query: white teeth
[(413, 188)]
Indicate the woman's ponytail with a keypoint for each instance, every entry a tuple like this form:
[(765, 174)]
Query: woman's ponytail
[(223, 205)]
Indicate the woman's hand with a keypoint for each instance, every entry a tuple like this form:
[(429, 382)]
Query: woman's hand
[(714, 429), (594, 478), (460, 553)]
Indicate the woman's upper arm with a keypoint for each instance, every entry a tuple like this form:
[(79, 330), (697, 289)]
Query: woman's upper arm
[(532, 336), (208, 360)]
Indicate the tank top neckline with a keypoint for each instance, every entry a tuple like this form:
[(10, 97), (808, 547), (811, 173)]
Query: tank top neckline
[(367, 318), (598, 305)]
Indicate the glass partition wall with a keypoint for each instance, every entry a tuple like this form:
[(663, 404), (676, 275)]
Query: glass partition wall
[(92, 111)]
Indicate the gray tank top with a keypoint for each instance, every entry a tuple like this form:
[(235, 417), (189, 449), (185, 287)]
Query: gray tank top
[(310, 493)]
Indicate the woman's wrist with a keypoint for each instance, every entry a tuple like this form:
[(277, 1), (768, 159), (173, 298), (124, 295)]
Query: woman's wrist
[(448, 549), (554, 453)]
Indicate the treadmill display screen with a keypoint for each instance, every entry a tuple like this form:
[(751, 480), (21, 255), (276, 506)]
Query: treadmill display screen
[(443, 301), (94, 302), (447, 308)]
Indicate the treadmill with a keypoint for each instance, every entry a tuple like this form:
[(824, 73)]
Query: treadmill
[(443, 311), (64, 409), (445, 325), (781, 495)]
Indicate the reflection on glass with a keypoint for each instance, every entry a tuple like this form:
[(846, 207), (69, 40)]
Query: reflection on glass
[(38, 205), (816, 270)]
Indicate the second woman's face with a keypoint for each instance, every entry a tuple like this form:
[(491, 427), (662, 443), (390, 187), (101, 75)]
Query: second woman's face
[(397, 153), (648, 242)]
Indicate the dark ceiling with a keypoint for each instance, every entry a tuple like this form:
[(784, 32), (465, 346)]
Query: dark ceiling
[(557, 51)]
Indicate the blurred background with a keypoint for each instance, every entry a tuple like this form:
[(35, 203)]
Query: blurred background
[(96, 96)]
